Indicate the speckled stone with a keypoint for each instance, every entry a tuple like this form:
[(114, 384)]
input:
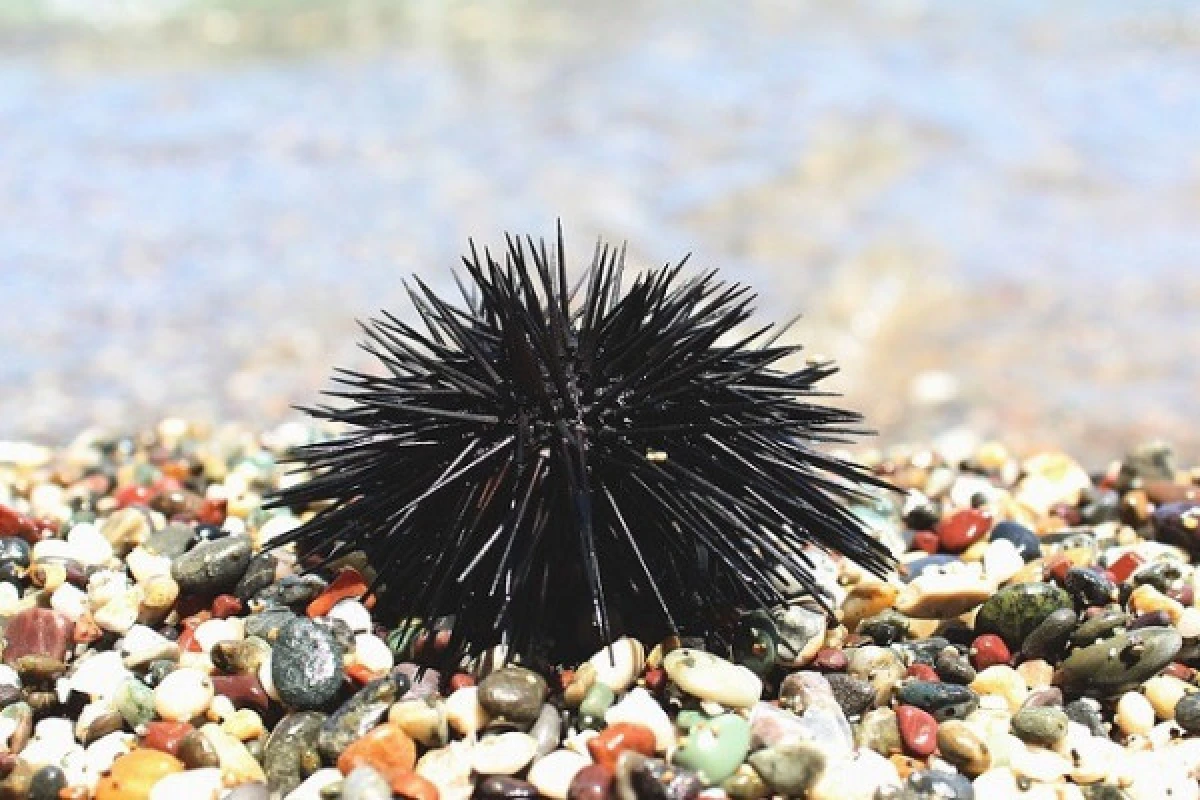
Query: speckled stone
[(212, 567), (291, 750), (306, 664), (1014, 611), (1044, 726), (1122, 660), (513, 693), (854, 695), (359, 714), (789, 768), (937, 785), (942, 700), (46, 783)]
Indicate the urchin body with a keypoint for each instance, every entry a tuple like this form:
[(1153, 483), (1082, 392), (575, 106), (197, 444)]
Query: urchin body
[(547, 467)]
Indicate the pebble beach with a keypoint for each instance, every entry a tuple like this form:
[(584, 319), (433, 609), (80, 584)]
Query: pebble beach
[(1038, 640)]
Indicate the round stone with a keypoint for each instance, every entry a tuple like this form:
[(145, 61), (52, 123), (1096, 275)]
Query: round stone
[(552, 774), (963, 528), (1187, 712), (513, 693), (1044, 726), (709, 677), (963, 747), (937, 785), (989, 650), (616, 738), (306, 664), (183, 694), (1025, 540), (1134, 714), (593, 782), (942, 700), (1014, 611), (503, 754), (502, 787)]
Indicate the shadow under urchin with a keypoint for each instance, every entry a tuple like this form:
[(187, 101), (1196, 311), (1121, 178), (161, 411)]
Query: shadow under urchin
[(549, 465)]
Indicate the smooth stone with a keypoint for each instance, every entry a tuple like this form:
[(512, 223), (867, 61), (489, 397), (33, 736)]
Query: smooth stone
[(1089, 587), (514, 694), (597, 701), (194, 784), (1179, 524), (552, 774), (640, 707), (212, 567), (1134, 714), (358, 715), (503, 787), (449, 769), (963, 747), (386, 748), (140, 645), (857, 777), (880, 666), (593, 782), (918, 730), (134, 774), (197, 752), (607, 746), (426, 722), (1187, 712), (293, 591), (754, 642), (942, 700), (943, 595), (134, 700), (1086, 712), (306, 664), (46, 783), (237, 764), (311, 788), (1101, 626), (240, 657), (937, 785), (919, 566), (267, 624), (547, 730), (259, 574), (503, 754), (171, 541), (954, 667), (37, 632), (365, 783), (464, 712), (642, 778), (709, 677), (619, 665), (1014, 611), (1049, 638), (291, 752), (854, 695), (714, 748), (1044, 726), (800, 632), (790, 768), (1124, 659), (878, 731), (1025, 540), (183, 694)]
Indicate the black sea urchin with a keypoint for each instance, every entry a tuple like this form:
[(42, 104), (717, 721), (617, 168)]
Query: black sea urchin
[(548, 466)]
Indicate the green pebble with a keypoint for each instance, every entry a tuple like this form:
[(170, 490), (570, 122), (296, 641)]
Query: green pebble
[(134, 700), (1013, 612), (715, 748), (599, 698), (1041, 726)]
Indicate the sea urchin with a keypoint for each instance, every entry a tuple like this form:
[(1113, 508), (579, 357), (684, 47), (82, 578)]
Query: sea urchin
[(548, 466)]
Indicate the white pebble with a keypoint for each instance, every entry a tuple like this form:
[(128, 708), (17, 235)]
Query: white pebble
[(9, 676), (503, 754), (618, 666), (373, 653), (89, 545), (353, 613), (552, 774), (145, 565), (106, 585), (52, 549), (142, 644), (9, 599), (99, 756), (711, 677), (53, 740), (211, 631), (69, 601), (277, 526), (99, 676), (183, 695), (119, 614), (449, 769), (464, 712), (1134, 714), (640, 707), (194, 784), (1001, 560)]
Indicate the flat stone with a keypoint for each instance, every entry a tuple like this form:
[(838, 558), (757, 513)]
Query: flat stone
[(709, 677), (714, 748), (358, 715), (1125, 659), (790, 768)]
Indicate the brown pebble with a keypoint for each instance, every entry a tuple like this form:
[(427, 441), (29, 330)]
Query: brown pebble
[(197, 752), (37, 631)]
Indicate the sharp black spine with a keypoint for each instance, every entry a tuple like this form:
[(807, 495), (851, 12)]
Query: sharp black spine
[(550, 465)]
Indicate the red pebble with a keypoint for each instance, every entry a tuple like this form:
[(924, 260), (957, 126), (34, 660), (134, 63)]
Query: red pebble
[(565, 676), (616, 739), (922, 672), (918, 730), (830, 659), (225, 606), (1181, 671), (165, 736), (460, 680), (349, 583), (927, 541), (133, 495), (989, 650), (1056, 566), (963, 528), (242, 690), (11, 522), (1184, 594), (656, 679), (212, 512), (361, 675), (1125, 566)]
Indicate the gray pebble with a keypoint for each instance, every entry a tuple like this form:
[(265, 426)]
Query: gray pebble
[(212, 567), (306, 664), (358, 715), (1122, 660), (513, 693), (1043, 726), (290, 754)]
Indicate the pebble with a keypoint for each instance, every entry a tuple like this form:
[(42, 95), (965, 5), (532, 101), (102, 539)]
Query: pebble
[(1045, 726), (962, 746), (183, 695), (714, 748), (942, 700), (1126, 658), (618, 666), (800, 632), (503, 754), (1134, 714), (552, 773), (618, 737), (236, 762), (1015, 611), (194, 784), (465, 714), (514, 694), (291, 752), (593, 782), (918, 730), (791, 768), (709, 677), (133, 775), (212, 567), (306, 664), (387, 749), (358, 715), (37, 631), (502, 787), (638, 706)]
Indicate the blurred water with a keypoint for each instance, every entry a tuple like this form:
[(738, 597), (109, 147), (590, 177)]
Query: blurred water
[(988, 212)]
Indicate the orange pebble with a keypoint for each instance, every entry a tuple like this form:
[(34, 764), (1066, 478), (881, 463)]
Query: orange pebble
[(412, 786), (348, 583), (387, 748), (133, 774), (617, 738)]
